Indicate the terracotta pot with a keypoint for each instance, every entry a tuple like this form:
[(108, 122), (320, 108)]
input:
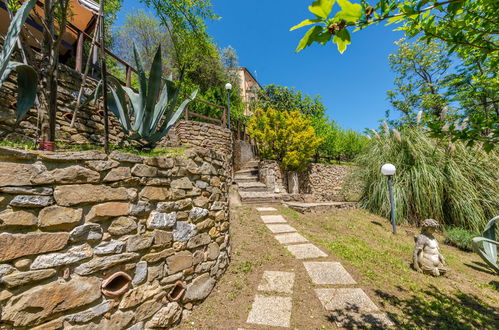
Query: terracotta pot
[(116, 284), (176, 292), (47, 145)]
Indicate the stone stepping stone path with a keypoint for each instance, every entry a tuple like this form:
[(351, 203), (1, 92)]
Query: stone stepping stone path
[(348, 307), (279, 229), (271, 311), (290, 238), (273, 219), (306, 251), (281, 282), (328, 273)]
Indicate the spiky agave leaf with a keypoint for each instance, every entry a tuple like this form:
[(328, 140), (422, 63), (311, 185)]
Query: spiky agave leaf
[(153, 90), (27, 77), (142, 96), (118, 104), (171, 120)]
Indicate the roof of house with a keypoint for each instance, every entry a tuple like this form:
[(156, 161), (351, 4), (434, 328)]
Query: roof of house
[(249, 72)]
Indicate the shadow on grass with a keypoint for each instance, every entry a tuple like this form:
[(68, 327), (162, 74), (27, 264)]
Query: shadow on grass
[(376, 223), (352, 318), (481, 267), (433, 309)]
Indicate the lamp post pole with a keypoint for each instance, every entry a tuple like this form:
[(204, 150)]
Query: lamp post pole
[(389, 170), (392, 205), (228, 87)]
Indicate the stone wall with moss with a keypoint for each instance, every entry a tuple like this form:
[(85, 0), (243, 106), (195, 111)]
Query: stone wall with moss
[(94, 241)]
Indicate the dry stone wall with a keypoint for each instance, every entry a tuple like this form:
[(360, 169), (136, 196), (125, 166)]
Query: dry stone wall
[(273, 175), (92, 241), (324, 182)]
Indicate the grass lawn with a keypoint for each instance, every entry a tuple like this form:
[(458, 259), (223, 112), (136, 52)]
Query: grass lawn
[(467, 297), (380, 263)]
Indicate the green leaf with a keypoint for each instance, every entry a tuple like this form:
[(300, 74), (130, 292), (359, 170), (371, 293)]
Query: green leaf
[(12, 35), (27, 82), (308, 38), (342, 39), (305, 23), (321, 8), (154, 88), (350, 12)]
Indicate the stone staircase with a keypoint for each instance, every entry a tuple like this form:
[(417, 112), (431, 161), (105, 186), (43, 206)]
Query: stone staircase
[(253, 192)]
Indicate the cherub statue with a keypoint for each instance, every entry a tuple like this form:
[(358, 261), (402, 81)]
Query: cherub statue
[(427, 256)]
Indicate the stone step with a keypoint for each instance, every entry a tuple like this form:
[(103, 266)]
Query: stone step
[(251, 164), (252, 198), (252, 187), (320, 206), (245, 178), (248, 171)]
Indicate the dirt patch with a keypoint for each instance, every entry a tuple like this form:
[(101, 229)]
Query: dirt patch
[(255, 250)]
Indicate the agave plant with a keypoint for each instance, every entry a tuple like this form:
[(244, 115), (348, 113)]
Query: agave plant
[(27, 78), (151, 113)]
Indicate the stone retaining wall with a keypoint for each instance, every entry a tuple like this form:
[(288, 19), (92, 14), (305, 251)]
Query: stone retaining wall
[(89, 126), (274, 177), (324, 181), (91, 241)]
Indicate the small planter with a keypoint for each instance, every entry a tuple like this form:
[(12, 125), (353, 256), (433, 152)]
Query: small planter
[(293, 183), (116, 284), (68, 116), (176, 292), (47, 146)]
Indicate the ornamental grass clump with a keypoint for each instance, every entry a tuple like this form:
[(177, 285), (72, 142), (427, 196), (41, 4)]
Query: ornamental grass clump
[(449, 182)]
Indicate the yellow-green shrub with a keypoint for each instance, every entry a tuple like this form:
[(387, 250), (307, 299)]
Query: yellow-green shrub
[(284, 136)]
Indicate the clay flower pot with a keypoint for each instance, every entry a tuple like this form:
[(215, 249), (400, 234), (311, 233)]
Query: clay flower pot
[(47, 146), (116, 284), (176, 292)]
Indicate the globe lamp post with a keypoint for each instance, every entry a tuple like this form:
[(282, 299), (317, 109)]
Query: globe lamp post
[(228, 87), (389, 170)]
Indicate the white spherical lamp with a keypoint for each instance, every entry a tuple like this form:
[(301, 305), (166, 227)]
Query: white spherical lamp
[(228, 86), (388, 169)]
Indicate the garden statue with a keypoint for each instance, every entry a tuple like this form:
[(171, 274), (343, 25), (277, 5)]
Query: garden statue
[(427, 256)]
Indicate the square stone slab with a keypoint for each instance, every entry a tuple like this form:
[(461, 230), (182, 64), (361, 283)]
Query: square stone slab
[(278, 229), (305, 251), (345, 300), (277, 282), (271, 311), (266, 209), (290, 238), (273, 219), (328, 273), (361, 321)]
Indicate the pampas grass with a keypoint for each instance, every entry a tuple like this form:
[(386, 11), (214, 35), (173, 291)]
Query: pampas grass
[(456, 186)]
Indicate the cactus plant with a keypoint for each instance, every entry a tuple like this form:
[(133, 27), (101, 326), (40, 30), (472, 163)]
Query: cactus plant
[(151, 113), (27, 77)]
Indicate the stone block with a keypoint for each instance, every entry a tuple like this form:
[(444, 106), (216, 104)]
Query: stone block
[(109, 247), (198, 240), (328, 273), (348, 299), (271, 311), (178, 262), (200, 288), (139, 242), (98, 264), (70, 195), (31, 201), (139, 295), (90, 232), (75, 174), (42, 302), (281, 282), (182, 183), (144, 170), (23, 278), (73, 255), (122, 226), (13, 246), (183, 231), (155, 257), (198, 213), (14, 174), (159, 220), (58, 216), (156, 194), (107, 210), (166, 317), (162, 238), (118, 174), (305, 251), (42, 191), (213, 251), (125, 157), (279, 229), (140, 273), (290, 238), (17, 218), (102, 165)]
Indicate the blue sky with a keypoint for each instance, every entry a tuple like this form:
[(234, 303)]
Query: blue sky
[(353, 85)]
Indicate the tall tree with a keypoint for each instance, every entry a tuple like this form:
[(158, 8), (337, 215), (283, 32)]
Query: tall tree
[(420, 70)]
